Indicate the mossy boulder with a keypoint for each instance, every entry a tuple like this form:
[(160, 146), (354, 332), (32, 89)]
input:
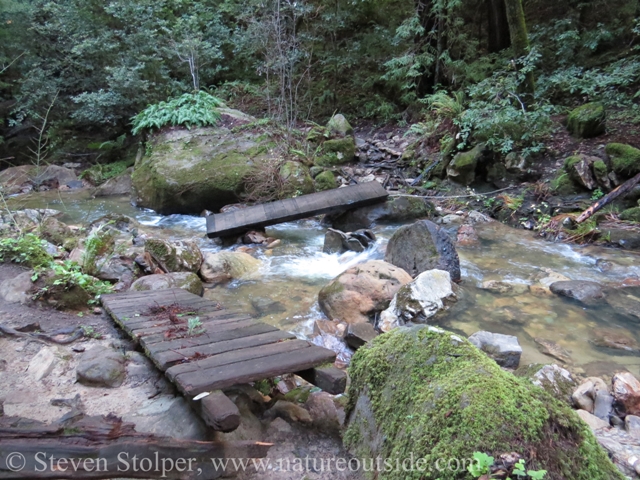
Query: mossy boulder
[(462, 168), (337, 152), (224, 266), (587, 120), (297, 179), (180, 256), (325, 181), (563, 185), (631, 215), (625, 159), (339, 126), (429, 394), (187, 171)]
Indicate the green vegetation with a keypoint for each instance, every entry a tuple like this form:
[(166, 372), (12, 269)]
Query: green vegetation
[(625, 159), (190, 110), (26, 249), (101, 172)]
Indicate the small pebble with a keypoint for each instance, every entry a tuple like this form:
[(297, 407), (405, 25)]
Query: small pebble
[(97, 311), (78, 349)]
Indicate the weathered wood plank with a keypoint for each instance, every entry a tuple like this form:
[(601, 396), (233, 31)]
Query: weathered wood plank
[(207, 337), (218, 411), (210, 326), (330, 201), (256, 329), (169, 358), (225, 376), (236, 356)]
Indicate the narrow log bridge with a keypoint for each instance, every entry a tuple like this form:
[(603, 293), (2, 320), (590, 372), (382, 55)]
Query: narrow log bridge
[(226, 349), (330, 201)]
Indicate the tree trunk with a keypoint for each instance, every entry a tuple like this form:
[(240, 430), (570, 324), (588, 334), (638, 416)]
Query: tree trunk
[(498, 34), (519, 36)]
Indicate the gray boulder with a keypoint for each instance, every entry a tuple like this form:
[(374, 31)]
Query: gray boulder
[(17, 289), (120, 185), (358, 334), (462, 168), (179, 256), (423, 246), (186, 280), (336, 241), (395, 209), (580, 290), (101, 367), (504, 349)]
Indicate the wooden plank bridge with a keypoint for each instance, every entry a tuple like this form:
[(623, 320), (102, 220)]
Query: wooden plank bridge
[(220, 350), (330, 201)]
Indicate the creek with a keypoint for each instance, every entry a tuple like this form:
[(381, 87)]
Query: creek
[(286, 290)]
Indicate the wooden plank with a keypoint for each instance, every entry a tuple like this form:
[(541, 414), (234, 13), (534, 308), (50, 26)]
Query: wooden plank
[(146, 327), (225, 376), (256, 329), (235, 356), (169, 358), (211, 326), (224, 224), (142, 321), (149, 340)]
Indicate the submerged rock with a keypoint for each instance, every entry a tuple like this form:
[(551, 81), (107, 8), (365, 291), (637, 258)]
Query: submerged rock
[(580, 290), (419, 300), (618, 339), (430, 393), (361, 291), (336, 241), (625, 301), (423, 246)]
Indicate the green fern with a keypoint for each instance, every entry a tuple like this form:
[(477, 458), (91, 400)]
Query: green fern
[(191, 109)]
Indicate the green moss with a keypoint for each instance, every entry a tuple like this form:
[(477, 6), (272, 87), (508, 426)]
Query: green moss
[(600, 169), (338, 125), (631, 215), (163, 252), (205, 168), (570, 162), (100, 173), (325, 181), (297, 180), (433, 395), (337, 152), (563, 185), (587, 120), (625, 159)]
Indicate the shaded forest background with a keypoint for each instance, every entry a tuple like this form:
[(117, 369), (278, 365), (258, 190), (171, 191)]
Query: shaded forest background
[(89, 66)]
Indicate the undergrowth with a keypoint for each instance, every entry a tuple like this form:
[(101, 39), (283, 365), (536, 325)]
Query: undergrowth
[(198, 109)]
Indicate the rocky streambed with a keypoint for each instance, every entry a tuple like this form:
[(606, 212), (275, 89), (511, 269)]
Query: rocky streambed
[(574, 306)]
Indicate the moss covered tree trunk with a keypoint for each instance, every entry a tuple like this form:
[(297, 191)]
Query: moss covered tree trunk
[(519, 37)]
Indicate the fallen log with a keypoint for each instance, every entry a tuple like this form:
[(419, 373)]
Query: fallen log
[(608, 198), (106, 447)]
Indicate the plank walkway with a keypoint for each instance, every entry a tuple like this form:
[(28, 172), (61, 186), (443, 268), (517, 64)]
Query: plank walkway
[(330, 201), (232, 348)]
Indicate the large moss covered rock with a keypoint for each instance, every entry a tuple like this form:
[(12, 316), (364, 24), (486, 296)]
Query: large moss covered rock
[(339, 126), (180, 256), (587, 120), (429, 394), (187, 171), (625, 159), (185, 280)]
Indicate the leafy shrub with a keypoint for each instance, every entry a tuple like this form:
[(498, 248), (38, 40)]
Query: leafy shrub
[(27, 249), (68, 275), (191, 109)]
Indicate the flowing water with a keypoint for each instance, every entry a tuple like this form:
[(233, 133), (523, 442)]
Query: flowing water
[(286, 289)]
